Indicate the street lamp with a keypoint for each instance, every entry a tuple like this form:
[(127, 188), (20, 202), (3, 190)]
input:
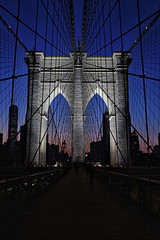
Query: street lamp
[(64, 145)]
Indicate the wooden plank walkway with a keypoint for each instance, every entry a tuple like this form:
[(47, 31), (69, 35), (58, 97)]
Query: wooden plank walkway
[(73, 210)]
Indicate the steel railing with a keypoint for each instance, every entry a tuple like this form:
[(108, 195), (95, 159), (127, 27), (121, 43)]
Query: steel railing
[(142, 190)]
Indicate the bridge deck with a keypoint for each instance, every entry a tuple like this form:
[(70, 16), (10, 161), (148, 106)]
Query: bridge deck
[(72, 209)]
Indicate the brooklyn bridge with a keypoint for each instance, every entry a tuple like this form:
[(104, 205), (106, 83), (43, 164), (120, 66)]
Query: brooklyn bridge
[(80, 119)]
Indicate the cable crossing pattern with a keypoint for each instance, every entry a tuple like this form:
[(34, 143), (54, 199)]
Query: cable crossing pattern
[(95, 98)]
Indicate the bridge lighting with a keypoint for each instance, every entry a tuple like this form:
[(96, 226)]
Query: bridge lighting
[(56, 165)]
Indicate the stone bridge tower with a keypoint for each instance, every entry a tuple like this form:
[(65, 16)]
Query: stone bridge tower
[(78, 78)]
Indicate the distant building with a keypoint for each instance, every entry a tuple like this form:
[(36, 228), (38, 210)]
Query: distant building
[(156, 151), (53, 154), (136, 156), (13, 123), (1, 139), (106, 138), (155, 155), (156, 148), (100, 150), (13, 145), (134, 142)]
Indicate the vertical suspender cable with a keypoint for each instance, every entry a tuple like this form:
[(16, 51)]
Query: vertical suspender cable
[(144, 84)]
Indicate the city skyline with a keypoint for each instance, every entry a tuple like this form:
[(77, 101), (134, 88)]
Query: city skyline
[(27, 37)]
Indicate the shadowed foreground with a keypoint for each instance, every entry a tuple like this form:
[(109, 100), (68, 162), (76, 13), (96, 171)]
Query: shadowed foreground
[(72, 209)]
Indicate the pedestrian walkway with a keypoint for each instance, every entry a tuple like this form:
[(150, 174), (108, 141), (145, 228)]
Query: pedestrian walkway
[(73, 210)]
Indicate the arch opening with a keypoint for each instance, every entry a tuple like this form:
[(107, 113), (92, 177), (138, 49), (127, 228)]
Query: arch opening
[(97, 135), (59, 131), (100, 93)]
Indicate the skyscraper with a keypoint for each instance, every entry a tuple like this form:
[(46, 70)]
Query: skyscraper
[(106, 137), (134, 142), (13, 123)]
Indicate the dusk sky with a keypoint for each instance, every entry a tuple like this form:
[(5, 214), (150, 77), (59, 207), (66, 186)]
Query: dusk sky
[(129, 20), (128, 8)]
